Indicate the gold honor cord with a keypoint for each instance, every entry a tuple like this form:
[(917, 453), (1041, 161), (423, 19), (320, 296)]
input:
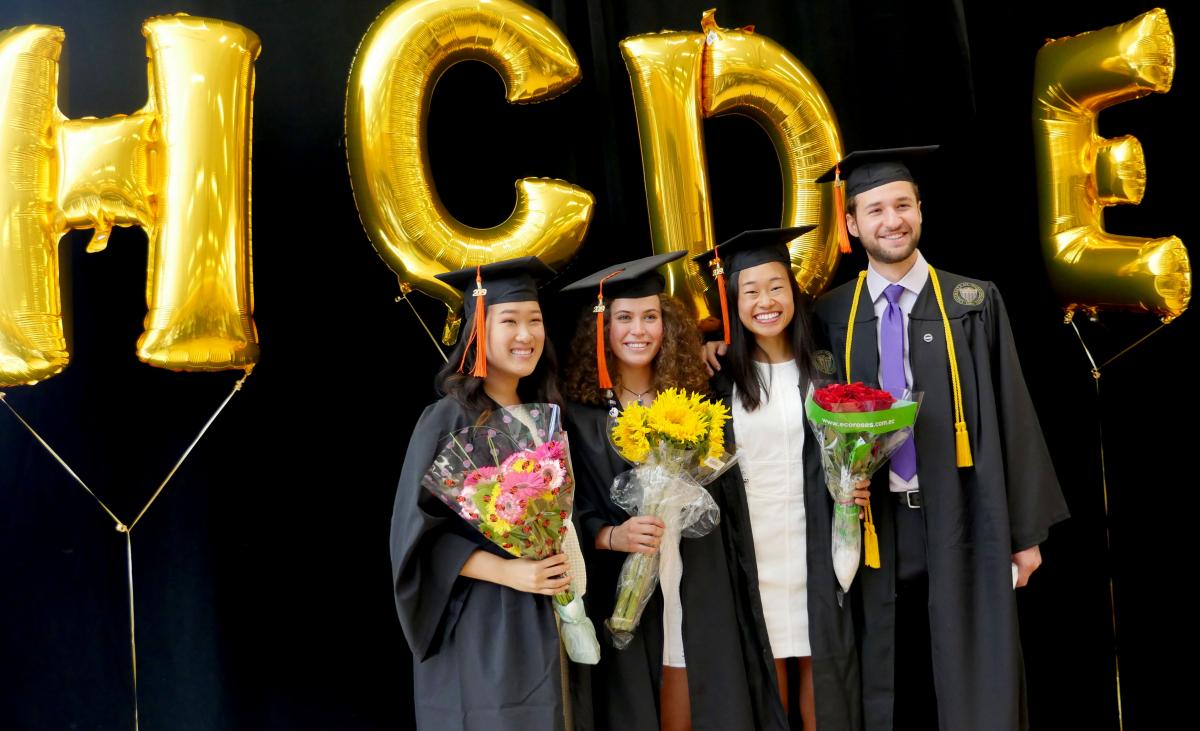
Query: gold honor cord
[(962, 445), (405, 290), (128, 529), (870, 535)]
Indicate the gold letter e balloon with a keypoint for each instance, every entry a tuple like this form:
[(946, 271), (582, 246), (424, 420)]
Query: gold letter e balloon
[(179, 168), (1080, 173)]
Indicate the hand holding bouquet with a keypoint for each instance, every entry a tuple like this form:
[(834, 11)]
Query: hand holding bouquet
[(511, 479), (678, 445)]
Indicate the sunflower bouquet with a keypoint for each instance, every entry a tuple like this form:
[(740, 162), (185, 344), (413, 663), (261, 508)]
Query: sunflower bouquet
[(677, 445)]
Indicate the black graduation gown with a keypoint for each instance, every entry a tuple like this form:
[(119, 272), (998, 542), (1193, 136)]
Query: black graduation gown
[(975, 518), (836, 681), (731, 679), (485, 657)]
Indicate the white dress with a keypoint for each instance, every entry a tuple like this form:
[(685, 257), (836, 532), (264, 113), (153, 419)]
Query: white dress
[(770, 443)]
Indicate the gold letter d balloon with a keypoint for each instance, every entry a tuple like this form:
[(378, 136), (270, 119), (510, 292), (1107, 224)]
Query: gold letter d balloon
[(399, 62), (680, 78), (179, 168)]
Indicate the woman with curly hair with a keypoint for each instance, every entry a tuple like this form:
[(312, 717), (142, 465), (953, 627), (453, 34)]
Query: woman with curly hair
[(687, 660)]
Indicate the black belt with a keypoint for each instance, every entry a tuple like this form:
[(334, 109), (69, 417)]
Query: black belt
[(909, 498)]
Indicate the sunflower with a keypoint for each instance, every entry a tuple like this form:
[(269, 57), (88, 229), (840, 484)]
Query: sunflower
[(718, 414), (629, 433), (677, 417)]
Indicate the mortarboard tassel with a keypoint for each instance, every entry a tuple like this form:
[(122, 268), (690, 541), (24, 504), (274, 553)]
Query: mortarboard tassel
[(601, 360), (839, 197), (479, 333), (719, 274)]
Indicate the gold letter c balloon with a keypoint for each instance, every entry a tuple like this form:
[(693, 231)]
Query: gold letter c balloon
[(403, 54), (1080, 173), (179, 167)]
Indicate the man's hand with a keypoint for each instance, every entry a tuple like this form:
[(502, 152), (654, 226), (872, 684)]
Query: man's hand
[(712, 349), (1027, 562), (862, 497)]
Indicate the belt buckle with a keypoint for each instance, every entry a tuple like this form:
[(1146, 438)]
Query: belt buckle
[(908, 499)]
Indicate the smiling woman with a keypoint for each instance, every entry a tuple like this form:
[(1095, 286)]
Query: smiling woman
[(450, 583), (768, 368), (516, 337), (632, 343)]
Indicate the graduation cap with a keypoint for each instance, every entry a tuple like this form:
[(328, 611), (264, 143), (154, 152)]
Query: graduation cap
[(511, 280), (747, 249), (865, 170), (631, 279)]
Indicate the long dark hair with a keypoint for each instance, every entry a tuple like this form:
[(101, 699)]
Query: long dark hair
[(742, 346), (538, 387)]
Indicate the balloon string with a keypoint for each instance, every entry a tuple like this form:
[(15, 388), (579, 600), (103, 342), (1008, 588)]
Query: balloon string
[(132, 632), (404, 290), (65, 466), (1131, 347), (1096, 368), (1088, 353), (236, 387), (121, 527), (1112, 592)]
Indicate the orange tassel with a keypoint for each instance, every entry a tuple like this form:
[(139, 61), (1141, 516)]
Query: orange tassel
[(479, 336), (601, 360), (839, 196), (719, 275)]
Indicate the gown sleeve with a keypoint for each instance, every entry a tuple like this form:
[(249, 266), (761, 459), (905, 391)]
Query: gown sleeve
[(592, 465), (1035, 500), (428, 542)]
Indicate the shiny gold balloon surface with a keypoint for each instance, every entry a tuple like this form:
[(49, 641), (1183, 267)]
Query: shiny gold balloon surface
[(179, 167), (681, 78), (397, 66), (752, 75), (199, 283), (1080, 172), (32, 345), (665, 71)]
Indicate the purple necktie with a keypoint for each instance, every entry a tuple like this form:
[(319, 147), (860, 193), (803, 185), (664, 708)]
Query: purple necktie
[(891, 372)]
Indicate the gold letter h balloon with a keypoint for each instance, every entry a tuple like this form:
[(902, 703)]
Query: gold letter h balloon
[(179, 168)]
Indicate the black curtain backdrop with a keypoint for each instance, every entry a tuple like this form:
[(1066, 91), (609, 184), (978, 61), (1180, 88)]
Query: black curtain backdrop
[(262, 574)]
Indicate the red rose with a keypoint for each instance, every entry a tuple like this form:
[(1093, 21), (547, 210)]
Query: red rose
[(852, 397)]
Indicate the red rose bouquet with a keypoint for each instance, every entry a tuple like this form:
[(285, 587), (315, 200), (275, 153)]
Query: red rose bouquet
[(857, 428)]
